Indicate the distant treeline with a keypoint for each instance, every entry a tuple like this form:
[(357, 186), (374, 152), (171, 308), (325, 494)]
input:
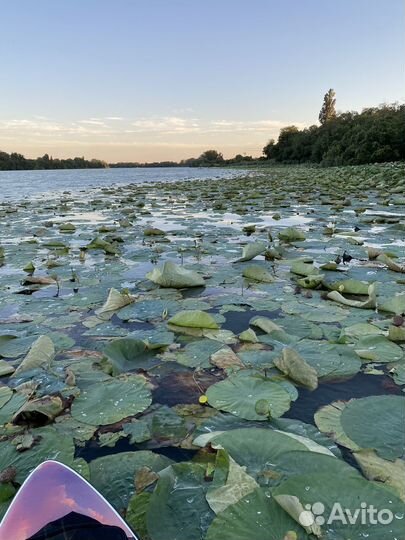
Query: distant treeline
[(17, 162), (375, 135), (209, 158)]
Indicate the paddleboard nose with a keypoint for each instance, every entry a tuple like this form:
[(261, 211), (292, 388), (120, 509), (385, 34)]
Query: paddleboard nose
[(55, 502)]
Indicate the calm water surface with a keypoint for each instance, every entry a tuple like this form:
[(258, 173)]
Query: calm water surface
[(16, 185)]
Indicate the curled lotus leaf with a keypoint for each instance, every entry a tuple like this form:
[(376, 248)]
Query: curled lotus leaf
[(252, 250), (175, 277), (370, 303), (294, 366), (350, 286), (40, 355), (115, 301)]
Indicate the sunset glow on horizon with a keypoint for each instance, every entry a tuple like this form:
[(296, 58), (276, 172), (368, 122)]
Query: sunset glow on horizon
[(155, 80)]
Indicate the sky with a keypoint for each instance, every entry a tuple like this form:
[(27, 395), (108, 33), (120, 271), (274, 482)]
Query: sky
[(151, 80)]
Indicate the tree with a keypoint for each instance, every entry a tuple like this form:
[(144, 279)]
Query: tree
[(268, 150), (328, 111), (211, 156)]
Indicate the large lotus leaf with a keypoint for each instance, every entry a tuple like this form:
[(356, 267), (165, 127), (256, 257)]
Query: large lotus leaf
[(40, 354), (256, 516), (329, 360), (12, 347), (378, 349), (175, 277), (257, 273), (111, 401), (291, 364), (249, 397), (350, 286), (178, 508), (127, 354), (115, 301), (113, 475), (48, 445), (194, 318), (252, 250), (370, 303), (328, 420), (259, 450), (349, 492), (377, 422), (395, 305), (391, 473)]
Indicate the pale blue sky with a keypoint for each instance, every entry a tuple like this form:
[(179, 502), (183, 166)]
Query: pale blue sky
[(165, 79)]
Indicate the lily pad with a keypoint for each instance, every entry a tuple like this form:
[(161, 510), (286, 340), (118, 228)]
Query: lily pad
[(377, 422), (194, 318), (111, 401), (239, 394), (128, 354)]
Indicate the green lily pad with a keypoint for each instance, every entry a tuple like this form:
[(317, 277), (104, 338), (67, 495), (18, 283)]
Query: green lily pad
[(378, 348), (238, 394), (48, 445), (127, 354), (395, 305), (330, 361), (298, 491), (194, 318), (257, 273), (377, 422), (178, 507), (113, 475), (111, 401)]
